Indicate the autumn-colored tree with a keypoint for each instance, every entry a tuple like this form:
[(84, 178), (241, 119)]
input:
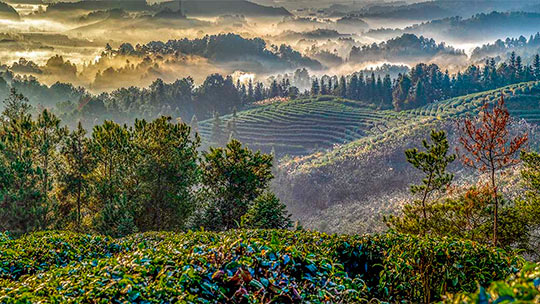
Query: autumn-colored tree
[(488, 146)]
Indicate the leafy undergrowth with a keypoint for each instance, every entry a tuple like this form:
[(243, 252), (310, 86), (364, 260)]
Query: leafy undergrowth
[(262, 266), (523, 287)]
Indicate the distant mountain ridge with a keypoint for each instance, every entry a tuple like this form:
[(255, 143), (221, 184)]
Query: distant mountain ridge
[(221, 7), (190, 7), (480, 26)]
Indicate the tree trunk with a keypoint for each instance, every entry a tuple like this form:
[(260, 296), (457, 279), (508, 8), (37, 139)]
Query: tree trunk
[(496, 208), (79, 203), (426, 191)]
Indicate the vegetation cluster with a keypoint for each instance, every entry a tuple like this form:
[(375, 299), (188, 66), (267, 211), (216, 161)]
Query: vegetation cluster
[(122, 179), (244, 266)]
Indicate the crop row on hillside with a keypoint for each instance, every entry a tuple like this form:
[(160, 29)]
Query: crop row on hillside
[(520, 99), (309, 123), (303, 126)]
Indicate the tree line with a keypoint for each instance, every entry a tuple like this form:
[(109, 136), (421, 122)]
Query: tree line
[(425, 83), (121, 179)]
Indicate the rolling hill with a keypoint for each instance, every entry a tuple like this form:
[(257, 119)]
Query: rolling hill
[(301, 126), (191, 8), (308, 125), (349, 167), (350, 187)]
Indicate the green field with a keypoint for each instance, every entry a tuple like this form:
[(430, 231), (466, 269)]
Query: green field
[(240, 266), (304, 126)]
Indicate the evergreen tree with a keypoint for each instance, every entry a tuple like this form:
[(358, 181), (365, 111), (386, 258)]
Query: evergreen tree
[(114, 156), (401, 92), (387, 92), (342, 87), (194, 125), (116, 218), (274, 89), (23, 207), (217, 137), (74, 184), (536, 66), (232, 131), (167, 173), (267, 212), (232, 177), (353, 87), (315, 89), (432, 163), (47, 137), (259, 92), (250, 92)]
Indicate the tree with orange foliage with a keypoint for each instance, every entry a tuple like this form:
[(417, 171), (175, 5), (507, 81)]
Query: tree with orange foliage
[(489, 147)]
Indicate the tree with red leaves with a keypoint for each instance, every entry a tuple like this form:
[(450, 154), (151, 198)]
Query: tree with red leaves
[(489, 147)]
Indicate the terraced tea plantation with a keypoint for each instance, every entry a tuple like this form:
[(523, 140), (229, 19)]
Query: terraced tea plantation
[(300, 127), (262, 266), (522, 100)]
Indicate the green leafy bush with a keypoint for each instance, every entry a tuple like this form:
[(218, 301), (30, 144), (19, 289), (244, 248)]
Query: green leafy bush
[(245, 266), (523, 287), (41, 251)]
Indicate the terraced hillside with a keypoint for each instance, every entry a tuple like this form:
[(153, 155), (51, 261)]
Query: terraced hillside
[(349, 188), (300, 126), (522, 100), (304, 126)]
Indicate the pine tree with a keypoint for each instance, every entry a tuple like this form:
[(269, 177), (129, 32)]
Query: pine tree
[(353, 88), (323, 89), (259, 92), (232, 131), (217, 137), (23, 207), (387, 92), (433, 163), (267, 212), (250, 91), (343, 87), (232, 177), (74, 184), (315, 89), (519, 68), (47, 137), (194, 125), (115, 158), (536, 66), (274, 89), (166, 174)]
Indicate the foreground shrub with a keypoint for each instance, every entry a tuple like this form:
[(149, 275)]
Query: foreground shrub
[(40, 251), (260, 266), (523, 287)]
